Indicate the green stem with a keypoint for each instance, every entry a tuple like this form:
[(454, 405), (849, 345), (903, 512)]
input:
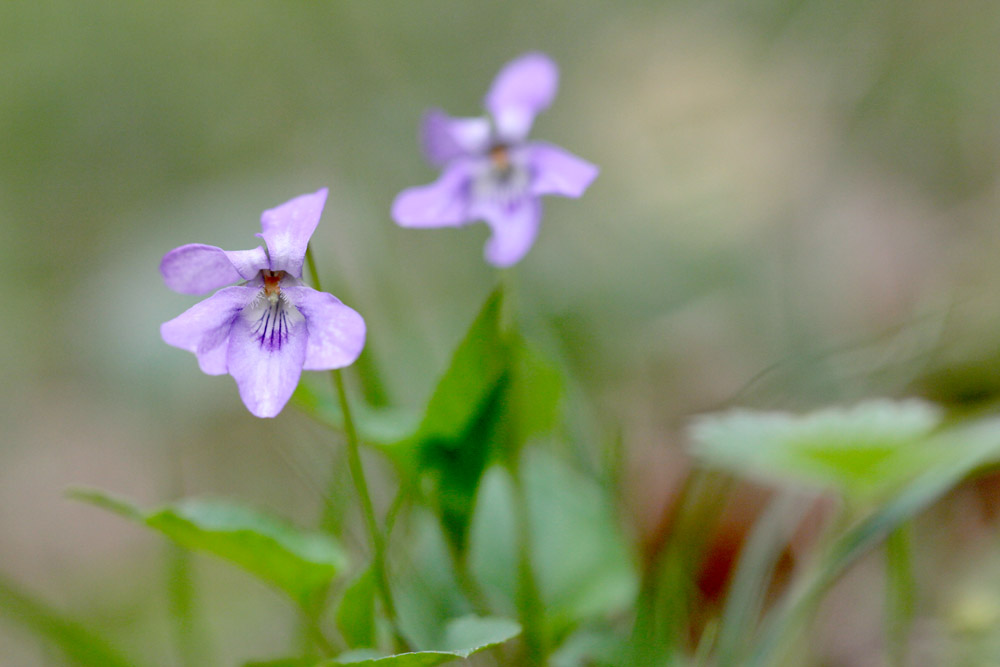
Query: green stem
[(466, 581), (189, 633), (311, 264), (529, 600), (900, 592), (314, 633), (371, 383), (367, 508), (531, 612), (180, 591), (361, 486)]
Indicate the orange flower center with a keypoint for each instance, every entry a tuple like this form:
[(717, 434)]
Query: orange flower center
[(272, 280)]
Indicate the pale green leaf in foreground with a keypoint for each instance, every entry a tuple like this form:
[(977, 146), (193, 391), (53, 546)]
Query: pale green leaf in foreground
[(463, 637), (969, 447), (300, 563), (864, 450)]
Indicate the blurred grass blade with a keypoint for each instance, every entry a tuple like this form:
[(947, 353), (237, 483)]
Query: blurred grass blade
[(753, 575), (901, 589), (81, 645), (302, 564), (969, 447)]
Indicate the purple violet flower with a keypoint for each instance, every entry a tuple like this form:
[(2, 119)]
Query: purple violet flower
[(265, 330), (490, 171)]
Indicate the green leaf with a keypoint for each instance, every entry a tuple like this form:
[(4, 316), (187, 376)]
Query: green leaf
[(356, 613), (966, 447), (477, 367), (568, 511), (464, 637), (79, 644), (299, 563), (865, 451), (495, 394)]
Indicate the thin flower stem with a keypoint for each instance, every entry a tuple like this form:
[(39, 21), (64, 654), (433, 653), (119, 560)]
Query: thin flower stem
[(367, 508), (311, 263), (529, 599), (900, 593), (467, 582), (314, 633), (531, 612), (372, 388), (361, 486)]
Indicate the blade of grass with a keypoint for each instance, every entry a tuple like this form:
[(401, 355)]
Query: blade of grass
[(900, 589), (753, 576), (80, 644)]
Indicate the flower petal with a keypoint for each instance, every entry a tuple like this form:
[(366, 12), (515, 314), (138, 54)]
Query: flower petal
[(444, 138), (443, 203), (558, 172), (204, 328), (197, 268), (336, 332), (524, 87), (287, 229), (265, 358), (515, 226)]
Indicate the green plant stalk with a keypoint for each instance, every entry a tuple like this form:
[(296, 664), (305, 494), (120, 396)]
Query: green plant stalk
[(367, 508), (529, 600), (754, 573), (531, 612), (371, 383), (180, 591), (189, 634), (310, 624), (900, 590), (664, 598), (466, 581), (361, 486)]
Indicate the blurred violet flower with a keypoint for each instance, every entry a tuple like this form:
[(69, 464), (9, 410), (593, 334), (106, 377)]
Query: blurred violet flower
[(265, 330), (490, 171)]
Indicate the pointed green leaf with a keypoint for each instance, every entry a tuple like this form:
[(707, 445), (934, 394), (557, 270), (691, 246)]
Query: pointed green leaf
[(356, 613), (300, 563), (865, 451), (476, 367), (464, 637), (495, 394)]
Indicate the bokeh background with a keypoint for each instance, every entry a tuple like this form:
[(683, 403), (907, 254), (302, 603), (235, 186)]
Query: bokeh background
[(799, 203)]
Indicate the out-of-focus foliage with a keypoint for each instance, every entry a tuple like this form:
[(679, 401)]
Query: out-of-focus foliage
[(797, 207), (302, 564), (863, 451), (463, 637)]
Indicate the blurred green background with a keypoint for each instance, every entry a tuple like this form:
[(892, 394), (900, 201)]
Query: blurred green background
[(798, 204)]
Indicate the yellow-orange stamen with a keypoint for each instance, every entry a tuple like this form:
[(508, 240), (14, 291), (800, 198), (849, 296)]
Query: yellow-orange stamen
[(500, 157), (272, 280)]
